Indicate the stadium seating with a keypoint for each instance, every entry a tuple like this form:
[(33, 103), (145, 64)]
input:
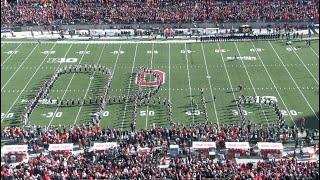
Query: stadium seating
[(42, 12)]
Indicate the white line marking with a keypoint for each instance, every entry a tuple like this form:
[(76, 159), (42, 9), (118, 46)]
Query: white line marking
[(314, 52), (147, 114), (185, 45), (65, 91), (213, 102), (27, 84), (294, 82), (10, 55), (273, 83), (19, 67), (169, 74), (234, 96), (264, 114), (85, 95), (126, 103), (305, 65)]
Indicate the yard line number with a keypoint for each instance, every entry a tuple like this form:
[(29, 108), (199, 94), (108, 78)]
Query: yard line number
[(9, 115), (144, 113)]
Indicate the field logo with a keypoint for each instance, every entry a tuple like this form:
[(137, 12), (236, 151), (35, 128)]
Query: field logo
[(117, 52), (141, 78), (269, 98), (256, 50), (186, 51), (220, 50), (150, 52), (247, 58), (48, 52), (292, 49), (83, 52), (62, 60)]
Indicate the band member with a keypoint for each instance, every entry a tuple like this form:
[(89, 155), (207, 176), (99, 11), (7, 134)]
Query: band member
[(240, 87)]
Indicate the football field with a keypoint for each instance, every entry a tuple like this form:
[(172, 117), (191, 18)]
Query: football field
[(288, 74)]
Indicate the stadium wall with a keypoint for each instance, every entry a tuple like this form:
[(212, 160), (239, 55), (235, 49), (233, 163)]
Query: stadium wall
[(303, 24)]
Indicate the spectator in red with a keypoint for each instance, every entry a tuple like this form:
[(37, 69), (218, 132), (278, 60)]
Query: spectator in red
[(302, 122)]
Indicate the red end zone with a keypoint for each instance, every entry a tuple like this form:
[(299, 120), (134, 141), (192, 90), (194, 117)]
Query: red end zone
[(141, 79)]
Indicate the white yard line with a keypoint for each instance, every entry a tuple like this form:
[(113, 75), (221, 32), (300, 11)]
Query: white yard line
[(189, 80), (129, 88), (245, 68), (224, 64), (314, 52), (87, 90), (208, 77), (27, 84), (273, 83), (147, 114), (294, 81), (19, 67), (65, 91), (304, 65), (10, 55), (169, 74)]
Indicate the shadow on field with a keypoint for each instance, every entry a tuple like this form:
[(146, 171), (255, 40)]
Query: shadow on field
[(311, 122)]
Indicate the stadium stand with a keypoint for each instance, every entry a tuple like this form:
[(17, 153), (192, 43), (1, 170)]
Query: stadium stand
[(35, 12), (127, 161), (143, 166)]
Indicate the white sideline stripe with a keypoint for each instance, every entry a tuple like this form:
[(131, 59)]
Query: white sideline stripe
[(273, 83), (294, 82), (15, 101), (133, 41), (129, 88), (147, 114), (185, 48), (85, 95), (314, 52), (10, 55), (19, 67), (305, 65), (264, 114), (213, 102)]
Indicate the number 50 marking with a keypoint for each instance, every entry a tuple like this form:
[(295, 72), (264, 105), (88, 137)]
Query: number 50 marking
[(144, 113), (235, 112)]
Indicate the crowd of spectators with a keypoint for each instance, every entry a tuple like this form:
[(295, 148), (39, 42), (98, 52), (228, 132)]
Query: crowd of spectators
[(43, 12), (126, 163), (84, 135)]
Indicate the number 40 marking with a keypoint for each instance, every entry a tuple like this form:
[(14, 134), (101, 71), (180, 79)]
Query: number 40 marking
[(9, 115), (292, 112)]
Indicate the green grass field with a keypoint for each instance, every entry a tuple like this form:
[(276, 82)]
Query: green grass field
[(289, 73)]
